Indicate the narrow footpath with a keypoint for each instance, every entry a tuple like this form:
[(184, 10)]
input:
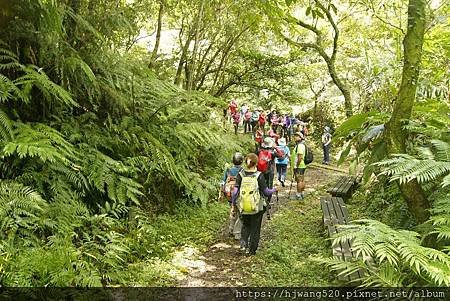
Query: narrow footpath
[(223, 265)]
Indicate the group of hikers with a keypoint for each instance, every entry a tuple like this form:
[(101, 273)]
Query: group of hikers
[(249, 184), (256, 121)]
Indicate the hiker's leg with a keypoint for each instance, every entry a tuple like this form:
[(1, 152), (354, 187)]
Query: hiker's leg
[(324, 148), (255, 231), (270, 183), (327, 153), (245, 230), (283, 171), (301, 183), (279, 172), (232, 222), (237, 228)]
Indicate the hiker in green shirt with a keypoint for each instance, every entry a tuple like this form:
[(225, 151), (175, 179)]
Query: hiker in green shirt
[(299, 165)]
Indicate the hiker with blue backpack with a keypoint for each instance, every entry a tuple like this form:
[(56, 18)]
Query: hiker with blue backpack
[(248, 200), (227, 185), (282, 163)]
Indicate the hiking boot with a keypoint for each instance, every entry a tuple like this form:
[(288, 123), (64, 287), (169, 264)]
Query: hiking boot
[(299, 196), (250, 253), (282, 184)]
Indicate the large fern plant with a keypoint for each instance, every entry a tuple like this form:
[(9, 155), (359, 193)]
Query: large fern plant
[(391, 257), (88, 135)]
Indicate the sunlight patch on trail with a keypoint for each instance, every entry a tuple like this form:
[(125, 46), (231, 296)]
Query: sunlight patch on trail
[(191, 264)]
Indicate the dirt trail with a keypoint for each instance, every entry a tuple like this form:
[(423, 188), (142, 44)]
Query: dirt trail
[(222, 265)]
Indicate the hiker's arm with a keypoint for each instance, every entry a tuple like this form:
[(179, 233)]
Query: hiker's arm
[(235, 193), (263, 186), (224, 179)]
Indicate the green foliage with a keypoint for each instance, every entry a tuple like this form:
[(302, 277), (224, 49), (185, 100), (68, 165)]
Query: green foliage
[(93, 147), (389, 257)]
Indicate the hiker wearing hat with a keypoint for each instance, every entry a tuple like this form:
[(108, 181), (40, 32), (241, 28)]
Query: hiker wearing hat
[(282, 163), (266, 161), (227, 185), (249, 202), (298, 164), (326, 141)]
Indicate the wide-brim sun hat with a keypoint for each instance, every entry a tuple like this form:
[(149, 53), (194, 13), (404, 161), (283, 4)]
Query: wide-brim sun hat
[(300, 134), (268, 142), (282, 142)]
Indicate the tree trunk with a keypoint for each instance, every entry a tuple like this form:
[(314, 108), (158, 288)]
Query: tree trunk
[(183, 57), (343, 88), (158, 34), (395, 135)]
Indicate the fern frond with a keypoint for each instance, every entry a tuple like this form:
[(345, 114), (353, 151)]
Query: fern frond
[(6, 131), (20, 207), (34, 76), (40, 141)]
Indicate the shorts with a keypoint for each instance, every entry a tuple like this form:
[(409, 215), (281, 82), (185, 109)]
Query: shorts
[(298, 173)]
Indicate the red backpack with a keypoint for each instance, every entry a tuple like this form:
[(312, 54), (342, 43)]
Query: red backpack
[(264, 158), (262, 118)]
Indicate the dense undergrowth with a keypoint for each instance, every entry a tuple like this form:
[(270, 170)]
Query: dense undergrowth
[(94, 148)]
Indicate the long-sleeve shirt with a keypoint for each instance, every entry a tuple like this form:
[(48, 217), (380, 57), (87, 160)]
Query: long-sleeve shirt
[(262, 185)]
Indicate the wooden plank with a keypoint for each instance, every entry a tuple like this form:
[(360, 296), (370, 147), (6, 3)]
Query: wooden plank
[(340, 189), (325, 210), (344, 210), (334, 189), (337, 210), (345, 187)]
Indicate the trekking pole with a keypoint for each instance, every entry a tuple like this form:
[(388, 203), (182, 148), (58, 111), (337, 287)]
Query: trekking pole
[(268, 210), (292, 181)]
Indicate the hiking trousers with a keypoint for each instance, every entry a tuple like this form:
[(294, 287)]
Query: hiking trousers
[(235, 226), (326, 153), (268, 176), (281, 172), (251, 231)]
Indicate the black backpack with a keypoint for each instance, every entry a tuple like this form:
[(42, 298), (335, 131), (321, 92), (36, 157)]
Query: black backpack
[(309, 156)]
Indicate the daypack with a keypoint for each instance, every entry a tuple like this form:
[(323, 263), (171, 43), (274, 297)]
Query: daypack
[(264, 158), (236, 118), (229, 185), (248, 115), (283, 152), (309, 157), (262, 118), (250, 201)]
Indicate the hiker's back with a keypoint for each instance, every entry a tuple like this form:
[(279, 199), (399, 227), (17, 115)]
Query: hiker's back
[(250, 200)]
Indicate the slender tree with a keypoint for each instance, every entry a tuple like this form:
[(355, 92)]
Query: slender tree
[(395, 135)]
